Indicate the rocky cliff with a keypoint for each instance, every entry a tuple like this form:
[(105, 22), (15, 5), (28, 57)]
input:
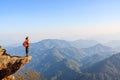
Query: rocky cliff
[(10, 64)]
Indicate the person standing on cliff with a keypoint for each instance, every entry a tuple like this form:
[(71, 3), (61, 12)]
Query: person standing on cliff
[(26, 45)]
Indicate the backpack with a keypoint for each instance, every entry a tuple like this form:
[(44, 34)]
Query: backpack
[(25, 44)]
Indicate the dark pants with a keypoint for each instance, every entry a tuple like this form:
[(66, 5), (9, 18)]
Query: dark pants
[(27, 50)]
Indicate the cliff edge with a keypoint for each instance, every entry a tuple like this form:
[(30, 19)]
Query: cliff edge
[(10, 64)]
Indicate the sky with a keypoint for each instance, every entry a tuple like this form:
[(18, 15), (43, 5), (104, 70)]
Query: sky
[(59, 19)]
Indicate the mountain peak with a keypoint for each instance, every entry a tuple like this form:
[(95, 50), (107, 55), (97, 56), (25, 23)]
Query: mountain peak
[(109, 65), (84, 43), (101, 46), (11, 64)]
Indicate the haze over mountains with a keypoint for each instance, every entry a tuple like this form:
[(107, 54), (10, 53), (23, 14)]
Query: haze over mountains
[(108, 69), (68, 60), (114, 43)]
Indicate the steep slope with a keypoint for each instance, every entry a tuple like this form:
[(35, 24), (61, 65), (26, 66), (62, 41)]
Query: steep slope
[(110, 65), (88, 61), (10, 64), (108, 69), (95, 54), (53, 63)]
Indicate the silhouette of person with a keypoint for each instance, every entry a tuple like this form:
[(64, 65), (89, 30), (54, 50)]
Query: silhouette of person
[(26, 45)]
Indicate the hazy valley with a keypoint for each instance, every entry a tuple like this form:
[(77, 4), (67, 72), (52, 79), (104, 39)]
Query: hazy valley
[(72, 60)]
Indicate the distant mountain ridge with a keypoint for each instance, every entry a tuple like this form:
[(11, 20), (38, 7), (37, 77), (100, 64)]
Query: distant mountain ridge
[(102, 66), (95, 54), (83, 43), (58, 59), (50, 43), (98, 48), (108, 69)]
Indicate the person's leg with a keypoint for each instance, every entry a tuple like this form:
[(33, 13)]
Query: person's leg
[(26, 51)]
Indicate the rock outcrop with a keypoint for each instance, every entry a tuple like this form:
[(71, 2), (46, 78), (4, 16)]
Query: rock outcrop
[(10, 64)]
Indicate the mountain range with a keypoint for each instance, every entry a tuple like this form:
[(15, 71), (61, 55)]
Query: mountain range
[(108, 69), (65, 60)]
